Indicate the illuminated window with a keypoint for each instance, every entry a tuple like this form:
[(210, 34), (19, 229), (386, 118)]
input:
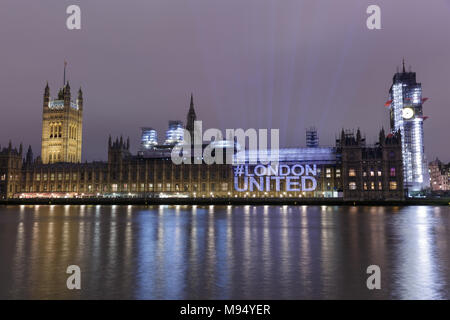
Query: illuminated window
[(372, 185), (392, 172), (380, 187), (3, 177), (224, 186), (372, 174), (393, 185), (338, 173), (328, 173), (379, 173), (114, 187), (351, 173), (352, 185), (365, 185), (52, 177), (38, 177)]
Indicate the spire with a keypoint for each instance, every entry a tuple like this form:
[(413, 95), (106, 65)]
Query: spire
[(80, 93), (109, 142), (128, 143), (65, 65), (191, 117), (29, 156), (382, 136), (403, 62)]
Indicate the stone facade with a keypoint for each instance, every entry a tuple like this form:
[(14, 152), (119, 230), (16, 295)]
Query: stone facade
[(62, 127), (371, 172)]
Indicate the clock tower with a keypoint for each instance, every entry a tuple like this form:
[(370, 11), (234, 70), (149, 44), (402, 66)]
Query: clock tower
[(406, 116)]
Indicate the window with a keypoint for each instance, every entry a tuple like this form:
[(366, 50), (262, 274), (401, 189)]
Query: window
[(372, 173), (352, 185), (328, 172), (224, 186), (393, 185), (380, 186), (392, 172), (114, 187), (352, 173), (379, 173), (338, 173), (372, 185), (365, 185)]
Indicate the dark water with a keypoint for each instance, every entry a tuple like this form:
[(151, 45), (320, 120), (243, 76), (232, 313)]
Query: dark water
[(219, 252)]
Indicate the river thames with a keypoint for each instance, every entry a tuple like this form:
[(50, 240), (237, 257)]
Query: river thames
[(224, 252)]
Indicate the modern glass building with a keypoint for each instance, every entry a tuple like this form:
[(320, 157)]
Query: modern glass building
[(149, 138), (174, 133), (406, 116)]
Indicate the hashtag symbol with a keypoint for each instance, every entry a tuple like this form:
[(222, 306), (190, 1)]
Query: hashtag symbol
[(239, 170)]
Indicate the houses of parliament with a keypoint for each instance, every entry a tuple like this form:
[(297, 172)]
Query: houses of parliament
[(351, 170)]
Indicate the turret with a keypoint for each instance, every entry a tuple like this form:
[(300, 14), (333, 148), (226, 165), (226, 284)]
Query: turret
[(382, 137), (80, 99), (67, 95), (29, 156), (358, 136), (46, 96)]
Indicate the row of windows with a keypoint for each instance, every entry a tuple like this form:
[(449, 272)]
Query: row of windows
[(371, 173), (392, 186), (168, 187), (115, 175), (55, 130)]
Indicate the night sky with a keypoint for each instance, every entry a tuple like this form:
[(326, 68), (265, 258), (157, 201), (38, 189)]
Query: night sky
[(284, 64)]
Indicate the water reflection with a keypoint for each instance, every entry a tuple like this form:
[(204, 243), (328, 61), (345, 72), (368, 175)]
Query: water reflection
[(224, 252)]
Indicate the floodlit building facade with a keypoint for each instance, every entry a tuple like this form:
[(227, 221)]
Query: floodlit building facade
[(406, 116)]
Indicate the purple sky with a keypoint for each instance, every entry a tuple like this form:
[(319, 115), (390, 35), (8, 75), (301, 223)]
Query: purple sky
[(251, 64)]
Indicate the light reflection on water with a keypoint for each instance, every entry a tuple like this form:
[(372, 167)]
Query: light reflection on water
[(224, 252)]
